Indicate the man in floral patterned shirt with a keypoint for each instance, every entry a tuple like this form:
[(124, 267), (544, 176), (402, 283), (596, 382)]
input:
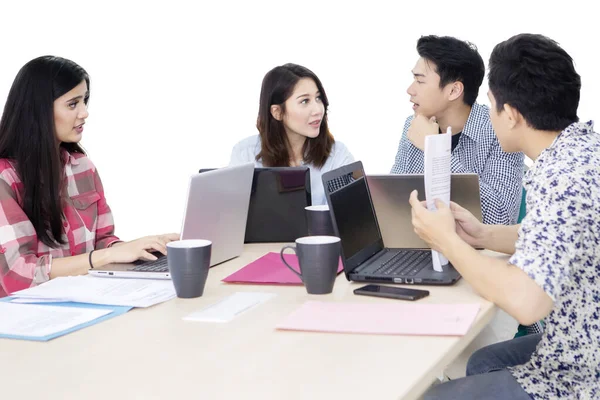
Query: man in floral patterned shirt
[(554, 271)]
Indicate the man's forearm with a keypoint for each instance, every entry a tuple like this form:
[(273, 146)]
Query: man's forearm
[(500, 238), (499, 282)]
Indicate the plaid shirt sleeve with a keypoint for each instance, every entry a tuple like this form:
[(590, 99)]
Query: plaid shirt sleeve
[(405, 151), (20, 267), (105, 228), (500, 185)]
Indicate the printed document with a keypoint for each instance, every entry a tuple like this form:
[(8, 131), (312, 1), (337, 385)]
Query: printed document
[(110, 291), (39, 321), (438, 150)]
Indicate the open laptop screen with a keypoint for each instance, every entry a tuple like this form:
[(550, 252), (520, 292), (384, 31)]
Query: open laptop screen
[(354, 217), (279, 196), (390, 193), (277, 201)]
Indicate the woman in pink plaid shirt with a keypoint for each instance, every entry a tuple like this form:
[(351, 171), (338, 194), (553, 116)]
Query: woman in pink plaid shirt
[(54, 220)]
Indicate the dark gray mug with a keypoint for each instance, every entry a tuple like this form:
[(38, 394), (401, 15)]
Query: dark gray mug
[(189, 262), (318, 220), (318, 257)]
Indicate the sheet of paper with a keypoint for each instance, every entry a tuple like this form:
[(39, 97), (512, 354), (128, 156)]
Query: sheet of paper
[(383, 318), (269, 269), (231, 306), (438, 151), (113, 311), (110, 291), (43, 320)]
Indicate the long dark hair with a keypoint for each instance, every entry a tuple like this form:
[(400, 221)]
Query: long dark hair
[(277, 86), (28, 138)]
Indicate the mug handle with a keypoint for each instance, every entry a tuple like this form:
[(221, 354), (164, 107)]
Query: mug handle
[(288, 265)]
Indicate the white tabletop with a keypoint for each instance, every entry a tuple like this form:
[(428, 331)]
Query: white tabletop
[(154, 354)]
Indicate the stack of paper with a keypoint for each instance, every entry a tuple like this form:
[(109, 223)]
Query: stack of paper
[(42, 322), (110, 291)]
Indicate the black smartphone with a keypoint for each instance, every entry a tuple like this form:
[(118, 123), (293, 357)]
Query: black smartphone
[(392, 292)]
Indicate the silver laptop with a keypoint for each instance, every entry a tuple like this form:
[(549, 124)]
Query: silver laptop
[(390, 194), (216, 209), (277, 201)]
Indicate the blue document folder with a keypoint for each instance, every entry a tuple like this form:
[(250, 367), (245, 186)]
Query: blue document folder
[(115, 311)]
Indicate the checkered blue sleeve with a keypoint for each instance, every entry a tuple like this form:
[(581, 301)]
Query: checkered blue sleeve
[(408, 158), (500, 185)]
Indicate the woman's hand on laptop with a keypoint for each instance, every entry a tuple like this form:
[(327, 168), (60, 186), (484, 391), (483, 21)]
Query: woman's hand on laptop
[(125, 252)]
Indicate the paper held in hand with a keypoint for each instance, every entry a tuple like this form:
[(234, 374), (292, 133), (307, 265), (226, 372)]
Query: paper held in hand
[(438, 150)]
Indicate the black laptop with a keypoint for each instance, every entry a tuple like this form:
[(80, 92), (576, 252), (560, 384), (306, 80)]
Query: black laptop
[(277, 201), (365, 257)]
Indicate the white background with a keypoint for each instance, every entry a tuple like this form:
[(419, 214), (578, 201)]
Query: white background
[(175, 84)]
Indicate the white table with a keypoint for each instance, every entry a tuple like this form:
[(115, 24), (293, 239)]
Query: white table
[(154, 354)]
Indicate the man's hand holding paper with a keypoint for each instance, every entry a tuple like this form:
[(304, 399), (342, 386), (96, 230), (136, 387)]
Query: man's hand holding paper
[(434, 227)]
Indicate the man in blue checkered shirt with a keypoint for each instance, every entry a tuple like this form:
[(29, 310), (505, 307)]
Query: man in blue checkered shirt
[(446, 83)]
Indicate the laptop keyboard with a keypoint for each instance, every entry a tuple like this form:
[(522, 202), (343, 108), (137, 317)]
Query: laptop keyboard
[(404, 263), (159, 265)]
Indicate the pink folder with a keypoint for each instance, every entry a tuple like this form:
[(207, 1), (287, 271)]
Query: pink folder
[(382, 318), (270, 269)]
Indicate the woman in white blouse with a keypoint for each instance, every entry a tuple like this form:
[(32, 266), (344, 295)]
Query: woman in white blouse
[(292, 126)]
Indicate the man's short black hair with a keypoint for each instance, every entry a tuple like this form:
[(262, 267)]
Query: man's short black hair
[(533, 74), (455, 60)]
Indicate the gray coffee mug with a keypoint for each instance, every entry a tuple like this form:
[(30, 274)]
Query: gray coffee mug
[(318, 257), (189, 262), (318, 221)]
